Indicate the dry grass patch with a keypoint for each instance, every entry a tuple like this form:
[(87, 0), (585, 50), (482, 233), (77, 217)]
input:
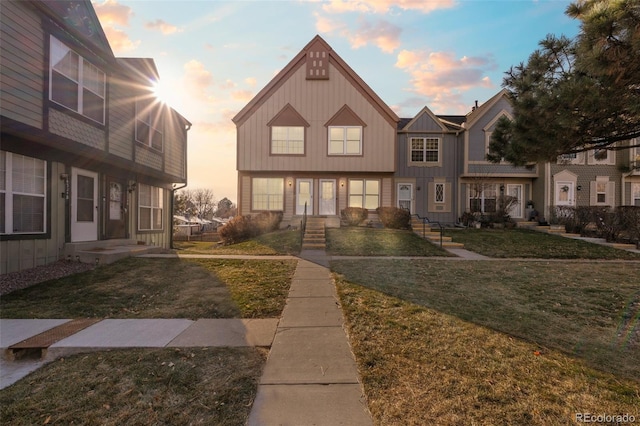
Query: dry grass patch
[(586, 309), (202, 386), (160, 288), (420, 366), (284, 242)]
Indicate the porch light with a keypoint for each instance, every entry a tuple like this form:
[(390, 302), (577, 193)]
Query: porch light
[(290, 183)]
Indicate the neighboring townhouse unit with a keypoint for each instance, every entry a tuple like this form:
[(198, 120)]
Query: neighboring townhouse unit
[(87, 152), (428, 168), (606, 178), (316, 138)]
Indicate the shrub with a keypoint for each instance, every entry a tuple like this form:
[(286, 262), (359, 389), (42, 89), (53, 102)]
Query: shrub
[(242, 228), (267, 221), (630, 218), (394, 217), (354, 216)]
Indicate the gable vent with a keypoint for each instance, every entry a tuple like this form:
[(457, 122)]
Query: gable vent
[(317, 65)]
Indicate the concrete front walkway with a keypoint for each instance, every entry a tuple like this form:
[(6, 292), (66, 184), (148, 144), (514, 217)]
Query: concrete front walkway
[(310, 377)]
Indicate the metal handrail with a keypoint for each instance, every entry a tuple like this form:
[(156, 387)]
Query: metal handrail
[(426, 220), (303, 224)]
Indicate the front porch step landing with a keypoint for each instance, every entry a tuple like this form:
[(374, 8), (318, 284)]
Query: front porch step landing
[(106, 251)]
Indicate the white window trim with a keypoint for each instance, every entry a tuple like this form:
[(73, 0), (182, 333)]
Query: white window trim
[(157, 195), (155, 125), (344, 140), (80, 82), (9, 193), (279, 196), (579, 159), (288, 141), (424, 151), (635, 194)]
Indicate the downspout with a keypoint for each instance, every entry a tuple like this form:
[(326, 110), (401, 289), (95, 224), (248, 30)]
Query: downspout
[(171, 212)]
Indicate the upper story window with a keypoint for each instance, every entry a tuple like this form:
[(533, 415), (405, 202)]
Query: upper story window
[(287, 140), (76, 83), (23, 183), (149, 123), (601, 156), (150, 206), (425, 150), (345, 140), (287, 132), (572, 158), (345, 133)]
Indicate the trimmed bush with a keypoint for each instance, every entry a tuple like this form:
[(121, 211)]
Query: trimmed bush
[(394, 217), (354, 216), (243, 228)]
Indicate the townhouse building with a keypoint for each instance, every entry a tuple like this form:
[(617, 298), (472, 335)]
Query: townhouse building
[(318, 136), (88, 156)]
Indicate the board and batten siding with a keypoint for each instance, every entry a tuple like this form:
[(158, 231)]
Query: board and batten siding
[(21, 74), (317, 102), (477, 134)]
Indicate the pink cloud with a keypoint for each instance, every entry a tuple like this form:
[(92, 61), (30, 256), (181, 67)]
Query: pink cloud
[(111, 13), (381, 34), (442, 78), (197, 79), (242, 95), (164, 27)]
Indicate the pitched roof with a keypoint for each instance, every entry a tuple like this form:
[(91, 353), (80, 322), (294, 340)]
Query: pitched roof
[(80, 18), (473, 116), (300, 60)]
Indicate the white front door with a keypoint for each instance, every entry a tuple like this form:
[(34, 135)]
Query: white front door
[(405, 196), (565, 193), (84, 205), (516, 192), (304, 196), (327, 196)]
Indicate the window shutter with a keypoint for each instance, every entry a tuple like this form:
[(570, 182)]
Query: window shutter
[(611, 194), (593, 198)]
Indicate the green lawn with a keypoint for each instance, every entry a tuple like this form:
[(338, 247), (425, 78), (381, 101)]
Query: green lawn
[(524, 243), (358, 241)]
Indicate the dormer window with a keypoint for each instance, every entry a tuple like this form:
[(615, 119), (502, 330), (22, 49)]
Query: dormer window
[(76, 83), (345, 133), (287, 132)]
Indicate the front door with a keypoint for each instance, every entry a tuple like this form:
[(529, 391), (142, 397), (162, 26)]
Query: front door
[(565, 193), (84, 205), (116, 215), (327, 197), (516, 208), (304, 196), (405, 196)]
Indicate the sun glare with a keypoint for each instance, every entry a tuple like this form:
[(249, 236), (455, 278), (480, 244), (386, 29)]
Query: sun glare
[(162, 92)]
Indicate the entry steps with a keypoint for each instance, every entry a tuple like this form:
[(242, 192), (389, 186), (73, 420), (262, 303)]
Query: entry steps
[(314, 234), (425, 230)]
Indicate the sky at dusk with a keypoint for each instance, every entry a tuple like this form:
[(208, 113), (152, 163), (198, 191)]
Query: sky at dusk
[(214, 56)]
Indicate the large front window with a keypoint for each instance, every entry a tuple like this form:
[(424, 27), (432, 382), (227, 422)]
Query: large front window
[(150, 202), (287, 140), (345, 140), (483, 198), (75, 83), (267, 194), (635, 194), (364, 193), (23, 182), (149, 123), (425, 150)]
